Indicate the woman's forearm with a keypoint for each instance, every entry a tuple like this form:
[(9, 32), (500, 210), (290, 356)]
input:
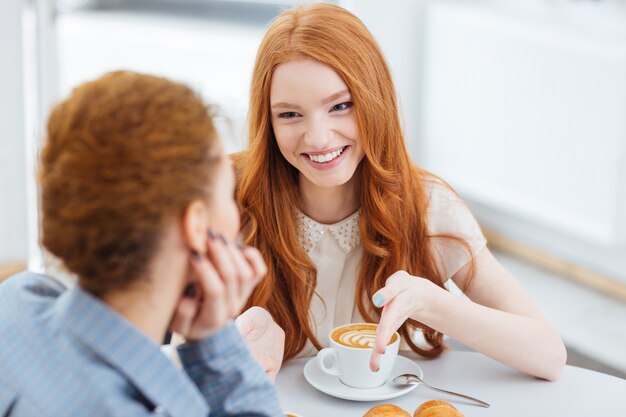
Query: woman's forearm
[(528, 344)]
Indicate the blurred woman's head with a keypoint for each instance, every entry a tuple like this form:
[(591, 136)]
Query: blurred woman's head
[(127, 157)]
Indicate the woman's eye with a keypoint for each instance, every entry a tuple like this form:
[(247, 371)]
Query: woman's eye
[(288, 115), (342, 106)]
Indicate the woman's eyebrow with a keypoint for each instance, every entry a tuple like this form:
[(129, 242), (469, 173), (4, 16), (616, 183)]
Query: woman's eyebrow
[(327, 100), (335, 96), (286, 105)]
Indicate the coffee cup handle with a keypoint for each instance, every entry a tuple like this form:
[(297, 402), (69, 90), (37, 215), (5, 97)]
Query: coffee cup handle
[(321, 357)]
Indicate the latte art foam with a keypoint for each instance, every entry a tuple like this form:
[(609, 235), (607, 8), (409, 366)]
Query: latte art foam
[(357, 335), (358, 338)]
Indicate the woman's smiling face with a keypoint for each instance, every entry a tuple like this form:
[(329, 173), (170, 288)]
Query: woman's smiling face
[(314, 122)]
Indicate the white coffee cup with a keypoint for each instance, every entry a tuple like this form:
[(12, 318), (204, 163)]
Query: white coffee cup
[(351, 347)]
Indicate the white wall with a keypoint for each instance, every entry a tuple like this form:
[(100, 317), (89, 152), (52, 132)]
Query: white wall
[(215, 58), (524, 116), (13, 213)]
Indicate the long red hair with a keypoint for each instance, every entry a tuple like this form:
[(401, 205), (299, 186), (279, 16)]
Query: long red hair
[(393, 223)]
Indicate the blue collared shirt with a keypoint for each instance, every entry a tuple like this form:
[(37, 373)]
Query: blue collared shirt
[(65, 353)]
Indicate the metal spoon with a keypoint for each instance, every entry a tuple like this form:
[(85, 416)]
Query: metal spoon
[(410, 379)]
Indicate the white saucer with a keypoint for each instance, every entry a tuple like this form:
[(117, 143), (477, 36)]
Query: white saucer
[(331, 385)]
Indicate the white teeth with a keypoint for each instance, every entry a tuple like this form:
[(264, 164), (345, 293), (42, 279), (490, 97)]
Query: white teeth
[(327, 157)]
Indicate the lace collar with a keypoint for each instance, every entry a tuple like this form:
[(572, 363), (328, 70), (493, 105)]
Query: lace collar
[(345, 232)]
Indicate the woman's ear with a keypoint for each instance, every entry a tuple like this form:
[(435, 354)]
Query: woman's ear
[(195, 225)]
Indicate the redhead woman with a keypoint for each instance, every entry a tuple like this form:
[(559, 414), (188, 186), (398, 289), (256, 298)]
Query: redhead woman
[(137, 202), (351, 228)]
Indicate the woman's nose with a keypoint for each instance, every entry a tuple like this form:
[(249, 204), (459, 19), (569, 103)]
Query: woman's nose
[(318, 134)]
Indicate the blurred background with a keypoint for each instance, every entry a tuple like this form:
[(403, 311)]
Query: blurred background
[(519, 104)]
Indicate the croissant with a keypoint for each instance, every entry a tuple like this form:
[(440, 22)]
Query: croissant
[(386, 410), (437, 408)]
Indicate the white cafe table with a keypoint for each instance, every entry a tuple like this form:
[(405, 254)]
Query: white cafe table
[(579, 392)]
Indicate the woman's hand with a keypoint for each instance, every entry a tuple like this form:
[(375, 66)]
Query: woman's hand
[(497, 318), (403, 296), (222, 280), (265, 339)]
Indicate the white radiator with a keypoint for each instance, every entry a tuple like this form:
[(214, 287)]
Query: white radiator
[(528, 117)]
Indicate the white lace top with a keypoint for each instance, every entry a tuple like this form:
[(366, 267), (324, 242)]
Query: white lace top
[(336, 251)]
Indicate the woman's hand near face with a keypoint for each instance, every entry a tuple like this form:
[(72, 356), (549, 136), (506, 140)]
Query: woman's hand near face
[(223, 280), (265, 339), (403, 296)]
